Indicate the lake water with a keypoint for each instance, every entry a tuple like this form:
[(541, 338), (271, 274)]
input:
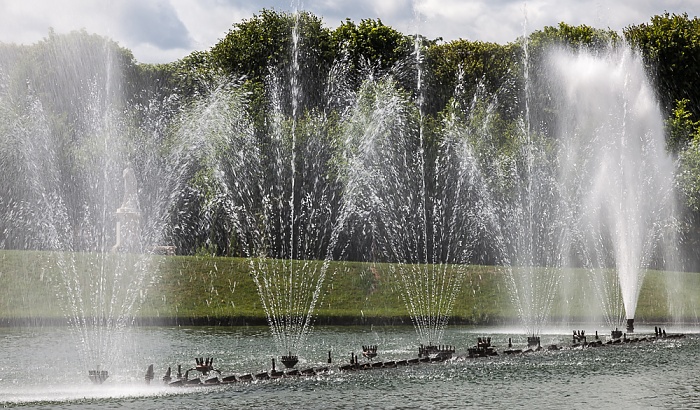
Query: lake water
[(38, 370)]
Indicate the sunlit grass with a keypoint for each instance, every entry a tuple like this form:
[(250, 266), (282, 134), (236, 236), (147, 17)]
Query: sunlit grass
[(214, 290)]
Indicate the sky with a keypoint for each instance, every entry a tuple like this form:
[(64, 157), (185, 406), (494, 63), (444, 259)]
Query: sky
[(161, 31)]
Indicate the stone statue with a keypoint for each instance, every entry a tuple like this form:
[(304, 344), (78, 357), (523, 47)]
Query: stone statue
[(131, 201)]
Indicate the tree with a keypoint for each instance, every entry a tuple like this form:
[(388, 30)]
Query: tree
[(469, 65), (681, 127), (371, 46), (572, 36), (670, 44), (295, 49)]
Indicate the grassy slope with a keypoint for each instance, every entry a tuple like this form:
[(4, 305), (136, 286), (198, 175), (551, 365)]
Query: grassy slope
[(221, 290)]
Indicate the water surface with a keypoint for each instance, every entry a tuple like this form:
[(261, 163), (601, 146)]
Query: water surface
[(38, 370)]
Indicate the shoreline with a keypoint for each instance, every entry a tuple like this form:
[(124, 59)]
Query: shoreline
[(340, 321)]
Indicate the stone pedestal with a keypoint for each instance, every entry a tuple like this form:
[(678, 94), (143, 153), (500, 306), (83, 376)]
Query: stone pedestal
[(128, 231), (129, 217)]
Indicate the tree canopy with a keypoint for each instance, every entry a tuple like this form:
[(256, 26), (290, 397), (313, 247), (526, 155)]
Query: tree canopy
[(298, 82), (671, 46)]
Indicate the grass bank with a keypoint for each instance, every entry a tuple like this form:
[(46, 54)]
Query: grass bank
[(221, 291)]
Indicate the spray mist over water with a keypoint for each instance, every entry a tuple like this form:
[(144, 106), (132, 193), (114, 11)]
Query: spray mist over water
[(275, 191), (614, 169), (66, 151), (418, 214), (69, 143)]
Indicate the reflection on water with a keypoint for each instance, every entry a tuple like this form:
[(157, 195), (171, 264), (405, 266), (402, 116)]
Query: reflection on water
[(37, 370)]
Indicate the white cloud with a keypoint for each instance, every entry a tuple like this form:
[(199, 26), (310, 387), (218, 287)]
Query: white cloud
[(390, 7), (29, 21), (148, 53), (153, 22), (210, 21)]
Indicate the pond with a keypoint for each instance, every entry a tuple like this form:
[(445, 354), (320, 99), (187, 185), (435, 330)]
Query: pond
[(39, 370)]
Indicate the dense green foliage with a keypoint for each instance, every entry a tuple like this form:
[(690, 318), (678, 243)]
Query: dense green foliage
[(471, 64), (440, 83), (671, 45)]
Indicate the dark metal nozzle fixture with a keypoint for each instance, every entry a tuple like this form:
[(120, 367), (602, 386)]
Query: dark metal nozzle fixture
[(290, 360), (98, 376)]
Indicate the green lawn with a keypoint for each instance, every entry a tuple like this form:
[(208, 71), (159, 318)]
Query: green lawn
[(207, 290)]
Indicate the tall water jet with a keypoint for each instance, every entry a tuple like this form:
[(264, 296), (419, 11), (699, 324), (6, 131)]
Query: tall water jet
[(128, 216), (83, 185), (68, 180), (416, 215), (530, 222), (614, 169), (275, 188)]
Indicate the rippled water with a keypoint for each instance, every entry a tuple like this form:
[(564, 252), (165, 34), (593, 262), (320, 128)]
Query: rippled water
[(36, 370)]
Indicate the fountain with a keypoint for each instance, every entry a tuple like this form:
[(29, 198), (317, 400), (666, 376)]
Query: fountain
[(534, 223), (70, 167), (515, 190), (418, 215), (613, 159), (580, 183), (275, 189)]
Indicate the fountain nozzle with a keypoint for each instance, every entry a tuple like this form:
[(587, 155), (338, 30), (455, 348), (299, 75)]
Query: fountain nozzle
[(98, 376), (630, 325), (290, 360)]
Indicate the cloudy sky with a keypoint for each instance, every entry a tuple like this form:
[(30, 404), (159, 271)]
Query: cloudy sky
[(165, 30)]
